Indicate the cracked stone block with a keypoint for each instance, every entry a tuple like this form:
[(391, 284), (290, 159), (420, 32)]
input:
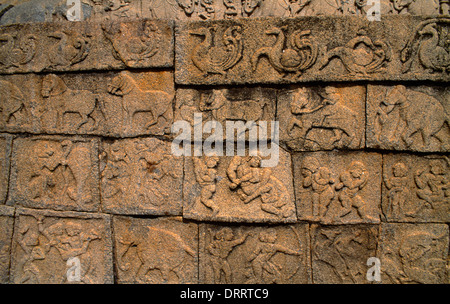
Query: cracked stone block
[(408, 118), (61, 247), (414, 253), (254, 254), (340, 253), (155, 250), (54, 172), (338, 187), (140, 176), (416, 188), (322, 118), (6, 232), (239, 189)]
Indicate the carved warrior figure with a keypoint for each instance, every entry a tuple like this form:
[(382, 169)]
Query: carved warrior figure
[(60, 100), (69, 49), (134, 100), (205, 170), (294, 54), (360, 55), (251, 182), (12, 105), (397, 185), (325, 112), (214, 56), (430, 45), (152, 256), (70, 239), (412, 116), (15, 53), (220, 246), (264, 269), (57, 172), (132, 51)]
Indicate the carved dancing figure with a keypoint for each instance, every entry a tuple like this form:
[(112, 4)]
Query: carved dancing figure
[(206, 174), (219, 249), (433, 184), (397, 184)]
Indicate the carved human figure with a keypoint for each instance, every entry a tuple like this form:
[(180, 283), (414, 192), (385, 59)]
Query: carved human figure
[(433, 184), (252, 182), (397, 184), (327, 113), (205, 169), (116, 170), (219, 248), (320, 181), (265, 270), (351, 182)]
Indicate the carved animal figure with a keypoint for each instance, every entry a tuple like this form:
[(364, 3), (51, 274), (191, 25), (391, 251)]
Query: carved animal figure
[(157, 103), (153, 256), (223, 109), (12, 56), (299, 55), (69, 49), (412, 111), (205, 55), (326, 114), (360, 55), (57, 94), (431, 54), (11, 102)]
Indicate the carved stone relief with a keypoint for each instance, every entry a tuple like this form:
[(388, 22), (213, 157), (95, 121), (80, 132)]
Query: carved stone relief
[(155, 251), (408, 118), (322, 118), (340, 253), (61, 247), (237, 188), (140, 176), (254, 254), (414, 253), (415, 188), (5, 154), (338, 188), (55, 172)]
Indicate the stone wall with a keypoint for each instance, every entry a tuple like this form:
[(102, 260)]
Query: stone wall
[(90, 189)]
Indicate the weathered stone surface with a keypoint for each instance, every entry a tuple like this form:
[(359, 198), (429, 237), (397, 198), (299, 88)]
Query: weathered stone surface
[(416, 188), (238, 189), (6, 232), (155, 250), (5, 154), (311, 49), (61, 247), (50, 10), (414, 253), (52, 172), (408, 118), (110, 104), (141, 176), (75, 46), (254, 254), (322, 118), (338, 187), (339, 254), (233, 105)]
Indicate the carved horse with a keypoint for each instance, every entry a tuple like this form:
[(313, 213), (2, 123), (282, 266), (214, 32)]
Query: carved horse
[(64, 100), (157, 103)]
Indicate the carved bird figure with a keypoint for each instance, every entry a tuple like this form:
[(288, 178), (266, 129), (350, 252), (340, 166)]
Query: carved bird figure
[(213, 57), (431, 54), (10, 55)]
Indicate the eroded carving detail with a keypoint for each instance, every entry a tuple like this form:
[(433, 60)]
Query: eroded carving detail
[(14, 52), (70, 48)]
